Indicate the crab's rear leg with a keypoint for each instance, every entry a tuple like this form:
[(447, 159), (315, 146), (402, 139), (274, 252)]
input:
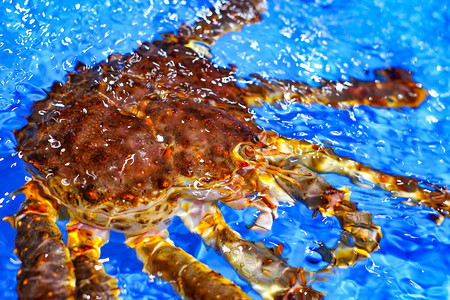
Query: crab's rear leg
[(84, 243), (46, 271), (262, 267), (229, 16), (189, 277), (392, 87)]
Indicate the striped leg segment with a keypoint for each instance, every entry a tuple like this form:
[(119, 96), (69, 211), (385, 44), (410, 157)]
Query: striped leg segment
[(47, 271), (189, 277), (92, 282), (262, 267)]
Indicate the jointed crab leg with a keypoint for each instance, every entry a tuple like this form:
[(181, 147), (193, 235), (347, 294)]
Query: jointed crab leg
[(92, 282), (324, 160), (191, 278), (392, 88), (262, 267), (47, 271), (319, 195), (358, 226), (230, 16)]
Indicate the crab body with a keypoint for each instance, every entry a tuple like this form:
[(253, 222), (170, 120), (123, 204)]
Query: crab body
[(130, 135)]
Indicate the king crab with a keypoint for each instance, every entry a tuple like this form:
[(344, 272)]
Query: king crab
[(134, 141)]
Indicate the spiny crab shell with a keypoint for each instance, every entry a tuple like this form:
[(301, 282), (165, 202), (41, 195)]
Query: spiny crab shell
[(120, 142)]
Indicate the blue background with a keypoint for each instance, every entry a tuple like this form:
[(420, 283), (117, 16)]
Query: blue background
[(40, 41)]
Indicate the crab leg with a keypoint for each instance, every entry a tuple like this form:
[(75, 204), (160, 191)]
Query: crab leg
[(324, 160), (47, 271), (230, 16), (393, 87), (262, 267), (84, 243), (358, 226), (189, 277), (319, 195)]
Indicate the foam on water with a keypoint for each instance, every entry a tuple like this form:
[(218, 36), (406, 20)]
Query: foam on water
[(41, 40)]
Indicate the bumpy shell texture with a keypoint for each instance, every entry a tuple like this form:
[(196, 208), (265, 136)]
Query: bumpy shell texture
[(123, 131)]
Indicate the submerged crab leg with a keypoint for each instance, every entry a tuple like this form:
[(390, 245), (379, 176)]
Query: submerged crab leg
[(92, 282), (393, 87), (324, 160), (262, 267), (360, 236), (47, 271), (189, 277), (230, 16), (359, 227)]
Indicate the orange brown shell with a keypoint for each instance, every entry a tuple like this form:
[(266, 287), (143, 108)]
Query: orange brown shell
[(125, 130)]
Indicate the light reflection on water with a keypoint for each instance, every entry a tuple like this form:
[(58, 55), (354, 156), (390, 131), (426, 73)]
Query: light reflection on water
[(42, 40)]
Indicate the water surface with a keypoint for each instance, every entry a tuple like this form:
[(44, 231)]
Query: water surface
[(40, 41)]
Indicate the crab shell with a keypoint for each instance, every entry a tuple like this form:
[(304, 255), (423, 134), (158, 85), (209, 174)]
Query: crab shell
[(119, 143)]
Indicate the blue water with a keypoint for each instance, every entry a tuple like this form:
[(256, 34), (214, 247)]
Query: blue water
[(41, 40)]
